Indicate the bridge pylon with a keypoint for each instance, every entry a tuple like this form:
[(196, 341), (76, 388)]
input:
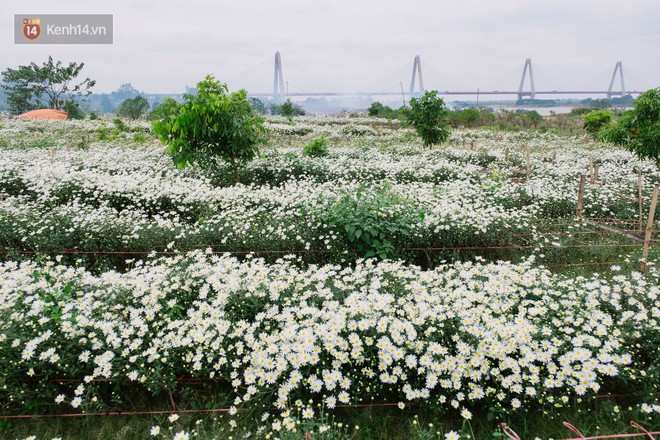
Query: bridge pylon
[(279, 93), (532, 92), (610, 93), (417, 71)]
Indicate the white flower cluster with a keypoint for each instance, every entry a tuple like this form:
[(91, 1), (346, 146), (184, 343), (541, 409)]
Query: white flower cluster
[(112, 197), (454, 336)]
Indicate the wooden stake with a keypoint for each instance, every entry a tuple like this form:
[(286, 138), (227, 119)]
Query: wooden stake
[(506, 154), (580, 200), (591, 169), (641, 201), (554, 157), (649, 227), (596, 168)]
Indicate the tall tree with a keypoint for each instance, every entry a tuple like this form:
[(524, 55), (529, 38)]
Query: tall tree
[(126, 91), (639, 129), (211, 126), (134, 108), (429, 116), (33, 86)]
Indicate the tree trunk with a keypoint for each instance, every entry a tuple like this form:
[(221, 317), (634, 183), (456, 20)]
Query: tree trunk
[(234, 168)]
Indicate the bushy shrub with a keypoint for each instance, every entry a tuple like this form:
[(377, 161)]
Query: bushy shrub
[(371, 218), (316, 148), (596, 120), (134, 108), (428, 115), (73, 109), (212, 126), (121, 125), (639, 129), (382, 111)]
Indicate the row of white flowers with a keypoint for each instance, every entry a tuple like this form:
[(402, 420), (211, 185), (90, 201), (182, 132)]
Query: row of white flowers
[(457, 336)]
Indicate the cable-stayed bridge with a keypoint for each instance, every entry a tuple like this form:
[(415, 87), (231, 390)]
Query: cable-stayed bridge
[(280, 93)]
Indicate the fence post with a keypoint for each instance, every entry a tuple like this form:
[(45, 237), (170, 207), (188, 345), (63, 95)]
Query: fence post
[(596, 167), (580, 200), (649, 227), (641, 201), (591, 169)]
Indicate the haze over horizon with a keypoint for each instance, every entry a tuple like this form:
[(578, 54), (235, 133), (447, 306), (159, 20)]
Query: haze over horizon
[(340, 46)]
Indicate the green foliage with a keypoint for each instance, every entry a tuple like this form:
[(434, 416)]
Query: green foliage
[(470, 117), (164, 110), (382, 111), (31, 87), (579, 111), (600, 104), (288, 109), (211, 126), (534, 117), (258, 105), (596, 120), (93, 116), (73, 109), (371, 218), (139, 137), (639, 129), (428, 115), (121, 125), (133, 108), (318, 147)]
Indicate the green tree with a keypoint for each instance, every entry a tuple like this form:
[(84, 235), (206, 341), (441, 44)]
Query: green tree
[(534, 117), (211, 126), (258, 105), (33, 86), (382, 111), (125, 91), (377, 109), (134, 107), (597, 119), (73, 110), (639, 129), (286, 109), (163, 110), (428, 115)]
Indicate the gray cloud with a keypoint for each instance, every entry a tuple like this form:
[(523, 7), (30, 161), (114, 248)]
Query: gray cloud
[(161, 46)]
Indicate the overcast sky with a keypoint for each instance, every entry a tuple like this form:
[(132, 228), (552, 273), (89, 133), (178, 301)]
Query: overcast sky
[(351, 45)]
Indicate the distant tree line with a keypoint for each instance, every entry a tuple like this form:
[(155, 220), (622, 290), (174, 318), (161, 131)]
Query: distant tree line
[(287, 108)]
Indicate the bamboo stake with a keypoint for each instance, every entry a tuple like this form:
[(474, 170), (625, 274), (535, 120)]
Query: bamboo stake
[(580, 200), (641, 201), (649, 227), (596, 168)]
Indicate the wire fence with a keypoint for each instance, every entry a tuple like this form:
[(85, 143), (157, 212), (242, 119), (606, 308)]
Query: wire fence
[(643, 432)]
